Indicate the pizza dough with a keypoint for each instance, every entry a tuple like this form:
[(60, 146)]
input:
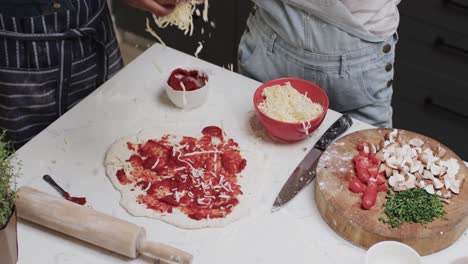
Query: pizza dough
[(249, 180)]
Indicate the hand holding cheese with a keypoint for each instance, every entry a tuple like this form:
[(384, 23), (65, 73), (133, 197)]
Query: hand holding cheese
[(157, 7)]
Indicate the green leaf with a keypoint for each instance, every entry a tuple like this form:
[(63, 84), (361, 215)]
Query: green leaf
[(9, 170)]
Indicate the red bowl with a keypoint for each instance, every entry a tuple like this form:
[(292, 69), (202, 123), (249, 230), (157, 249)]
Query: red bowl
[(285, 131)]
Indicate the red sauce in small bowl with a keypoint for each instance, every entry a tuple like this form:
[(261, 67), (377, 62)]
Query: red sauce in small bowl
[(192, 80)]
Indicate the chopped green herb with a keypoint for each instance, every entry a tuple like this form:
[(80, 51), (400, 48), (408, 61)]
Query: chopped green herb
[(412, 206)]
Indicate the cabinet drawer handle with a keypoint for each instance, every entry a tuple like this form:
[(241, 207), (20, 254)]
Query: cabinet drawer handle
[(430, 102), (442, 43), (454, 3)]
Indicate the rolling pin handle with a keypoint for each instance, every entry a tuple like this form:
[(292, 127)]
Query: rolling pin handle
[(164, 252)]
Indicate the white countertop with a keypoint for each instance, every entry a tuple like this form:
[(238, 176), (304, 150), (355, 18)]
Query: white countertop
[(72, 151)]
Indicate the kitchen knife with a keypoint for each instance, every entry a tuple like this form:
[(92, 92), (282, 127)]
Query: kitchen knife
[(305, 171)]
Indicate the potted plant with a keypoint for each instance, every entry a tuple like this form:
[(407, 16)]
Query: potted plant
[(8, 231)]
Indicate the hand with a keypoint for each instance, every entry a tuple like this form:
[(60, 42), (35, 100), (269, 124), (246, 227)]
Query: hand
[(157, 7)]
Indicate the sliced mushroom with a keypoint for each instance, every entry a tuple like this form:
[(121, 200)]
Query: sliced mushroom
[(421, 169), (392, 136), (428, 175), (413, 153), (410, 181), (439, 193), (418, 176), (392, 162), (373, 149), (380, 155), (437, 184), (405, 168), (448, 182), (440, 151), (401, 187), (415, 166), (426, 156), (388, 172), (418, 150), (443, 171), (382, 167), (429, 188), (395, 179), (422, 184), (452, 167), (455, 186), (386, 143), (400, 161), (416, 142), (436, 170)]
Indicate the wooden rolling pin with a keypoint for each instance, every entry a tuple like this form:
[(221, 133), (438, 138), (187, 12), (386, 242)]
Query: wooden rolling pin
[(93, 227)]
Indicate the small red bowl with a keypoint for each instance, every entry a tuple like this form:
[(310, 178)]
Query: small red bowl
[(285, 131)]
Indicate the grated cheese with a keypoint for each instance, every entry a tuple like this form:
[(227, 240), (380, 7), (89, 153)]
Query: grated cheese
[(286, 104), (306, 125), (182, 17), (184, 94), (199, 48), (155, 164), (202, 152), (178, 195)]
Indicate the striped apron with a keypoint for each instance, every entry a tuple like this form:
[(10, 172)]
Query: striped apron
[(48, 63)]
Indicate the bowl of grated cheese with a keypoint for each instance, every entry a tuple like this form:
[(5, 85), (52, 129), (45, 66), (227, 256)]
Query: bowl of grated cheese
[(289, 108)]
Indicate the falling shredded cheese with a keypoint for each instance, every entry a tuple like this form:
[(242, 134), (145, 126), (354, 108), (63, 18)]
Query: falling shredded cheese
[(306, 125), (182, 17), (286, 104), (152, 32), (199, 49)]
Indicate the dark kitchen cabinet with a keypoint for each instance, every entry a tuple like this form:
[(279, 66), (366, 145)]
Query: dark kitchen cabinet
[(431, 72), (220, 40)]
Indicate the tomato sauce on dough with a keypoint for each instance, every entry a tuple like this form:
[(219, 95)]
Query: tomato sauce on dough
[(199, 176)]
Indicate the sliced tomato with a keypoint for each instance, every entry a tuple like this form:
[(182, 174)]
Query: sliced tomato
[(356, 186), (213, 131), (373, 171), (370, 195), (383, 188), (380, 179), (363, 176)]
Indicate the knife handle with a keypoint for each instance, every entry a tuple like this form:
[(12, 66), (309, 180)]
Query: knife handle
[(337, 129)]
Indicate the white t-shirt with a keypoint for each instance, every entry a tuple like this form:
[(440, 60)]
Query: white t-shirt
[(371, 20), (379, 17)]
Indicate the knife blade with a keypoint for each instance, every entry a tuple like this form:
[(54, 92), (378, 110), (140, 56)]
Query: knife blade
[(305, 171)]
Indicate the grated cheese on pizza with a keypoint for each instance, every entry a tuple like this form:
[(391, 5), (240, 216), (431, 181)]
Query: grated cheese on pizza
[(185, 173)]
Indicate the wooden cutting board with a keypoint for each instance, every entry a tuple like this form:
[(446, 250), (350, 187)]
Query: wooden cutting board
[(342, 211)]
